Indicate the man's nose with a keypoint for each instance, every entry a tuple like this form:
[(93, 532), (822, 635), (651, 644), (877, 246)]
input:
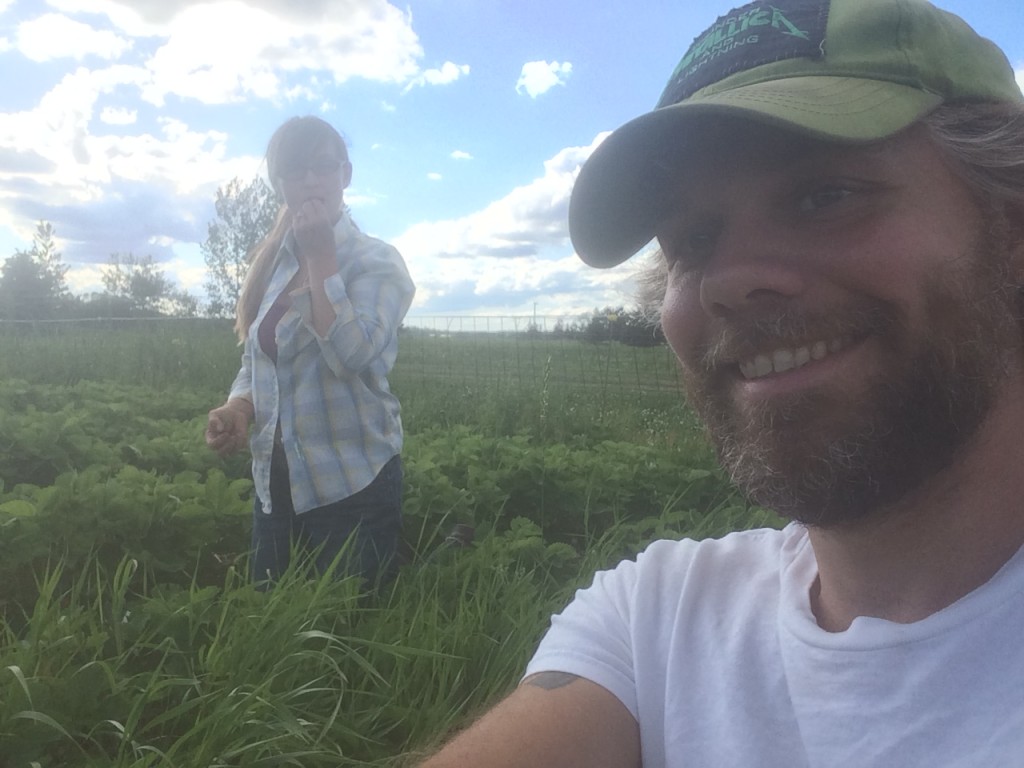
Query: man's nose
[(752, 265)]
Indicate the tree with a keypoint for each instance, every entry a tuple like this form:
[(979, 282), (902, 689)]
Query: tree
[(141, 287), (181, 304), (138, 280), (626, 326), (245, 215), (33, 284)]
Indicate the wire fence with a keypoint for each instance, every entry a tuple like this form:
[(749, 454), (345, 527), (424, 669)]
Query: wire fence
[(496, 353), (533, 351)]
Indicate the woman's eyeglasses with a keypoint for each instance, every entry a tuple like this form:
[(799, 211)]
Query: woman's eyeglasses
[(322, 167)]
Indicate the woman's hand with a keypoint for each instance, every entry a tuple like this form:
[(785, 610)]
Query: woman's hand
[(227, 427), (313, 225), (314, 233)]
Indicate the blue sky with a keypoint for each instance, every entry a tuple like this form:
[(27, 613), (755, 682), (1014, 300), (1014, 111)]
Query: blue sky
[(466, 121)]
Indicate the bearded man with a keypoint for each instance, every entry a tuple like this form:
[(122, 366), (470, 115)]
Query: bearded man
[(837, 194)]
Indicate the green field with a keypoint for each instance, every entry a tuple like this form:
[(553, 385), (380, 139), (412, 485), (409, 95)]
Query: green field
[(128, 633)]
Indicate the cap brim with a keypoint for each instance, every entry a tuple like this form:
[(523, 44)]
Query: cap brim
[(621, 192)]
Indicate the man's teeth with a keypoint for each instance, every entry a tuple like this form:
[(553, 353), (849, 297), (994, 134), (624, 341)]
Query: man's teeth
[(782, 360)]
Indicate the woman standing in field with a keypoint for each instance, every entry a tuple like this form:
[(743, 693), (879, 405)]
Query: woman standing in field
[(318, 319)]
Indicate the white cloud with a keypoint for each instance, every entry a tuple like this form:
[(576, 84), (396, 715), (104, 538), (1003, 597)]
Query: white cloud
[(125, 15), (458, 154), (448, 73), (85, 278), (299, 93), (53, 36), (539, 77), (57, 129), (518, 224), (513, 248), (100, 187), (190, 275), (357, 200), (224, 52), (434, 176), (118, 116), (387, 106), (228, 51)]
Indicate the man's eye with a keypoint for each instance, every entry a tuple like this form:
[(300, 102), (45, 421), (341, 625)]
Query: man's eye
[(689, 243), (700, 241), (690, 251), (823, 197)]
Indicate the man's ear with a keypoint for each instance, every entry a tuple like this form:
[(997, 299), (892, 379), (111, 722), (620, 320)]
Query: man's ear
[(346, 174)]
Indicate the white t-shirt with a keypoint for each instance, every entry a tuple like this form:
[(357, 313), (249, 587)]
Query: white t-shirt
[(713, 648)]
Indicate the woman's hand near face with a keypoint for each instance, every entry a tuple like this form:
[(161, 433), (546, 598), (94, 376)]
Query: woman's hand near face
[(313, 225)]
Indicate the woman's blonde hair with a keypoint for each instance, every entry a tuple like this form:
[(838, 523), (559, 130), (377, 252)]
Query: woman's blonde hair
[(292, 143)]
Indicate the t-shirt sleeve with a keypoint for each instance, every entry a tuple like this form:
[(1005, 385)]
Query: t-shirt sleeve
[(591, 638), (596, 636)]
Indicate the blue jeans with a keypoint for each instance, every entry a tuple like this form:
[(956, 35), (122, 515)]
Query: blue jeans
[(366, 527)]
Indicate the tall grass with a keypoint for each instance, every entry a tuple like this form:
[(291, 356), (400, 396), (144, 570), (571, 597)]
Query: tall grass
[(312, 673)]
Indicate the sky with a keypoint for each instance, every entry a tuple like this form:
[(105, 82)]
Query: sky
[(466, 122)]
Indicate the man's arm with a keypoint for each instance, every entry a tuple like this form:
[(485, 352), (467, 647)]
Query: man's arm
[(552, 720)]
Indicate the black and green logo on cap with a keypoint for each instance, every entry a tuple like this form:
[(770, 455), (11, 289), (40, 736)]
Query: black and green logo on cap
[(758, 33)]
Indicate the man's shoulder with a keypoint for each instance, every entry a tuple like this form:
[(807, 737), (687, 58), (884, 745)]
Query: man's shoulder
[(768, 546), (747, 563), (678, 598)]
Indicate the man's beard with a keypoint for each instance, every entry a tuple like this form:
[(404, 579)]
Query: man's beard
[(826, 462)]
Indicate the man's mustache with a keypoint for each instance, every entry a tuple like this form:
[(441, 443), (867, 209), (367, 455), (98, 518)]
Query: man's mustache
[(741, 338)]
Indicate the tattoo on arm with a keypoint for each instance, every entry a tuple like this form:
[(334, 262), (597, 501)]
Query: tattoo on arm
[(551, 680)]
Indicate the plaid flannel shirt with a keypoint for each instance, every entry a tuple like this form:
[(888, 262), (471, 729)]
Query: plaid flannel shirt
[(339, 422)]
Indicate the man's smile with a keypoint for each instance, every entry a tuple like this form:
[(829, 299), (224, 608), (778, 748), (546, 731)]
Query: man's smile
[(789, 358)]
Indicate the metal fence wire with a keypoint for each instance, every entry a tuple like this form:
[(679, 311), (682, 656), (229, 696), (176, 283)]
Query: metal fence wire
[(519, 352), (493, 353)]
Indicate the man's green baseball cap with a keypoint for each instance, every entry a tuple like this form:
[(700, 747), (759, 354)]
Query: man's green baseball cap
[(839, 70)]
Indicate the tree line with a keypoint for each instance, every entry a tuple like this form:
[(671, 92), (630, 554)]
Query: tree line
[(628, 326), (34, 284)]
